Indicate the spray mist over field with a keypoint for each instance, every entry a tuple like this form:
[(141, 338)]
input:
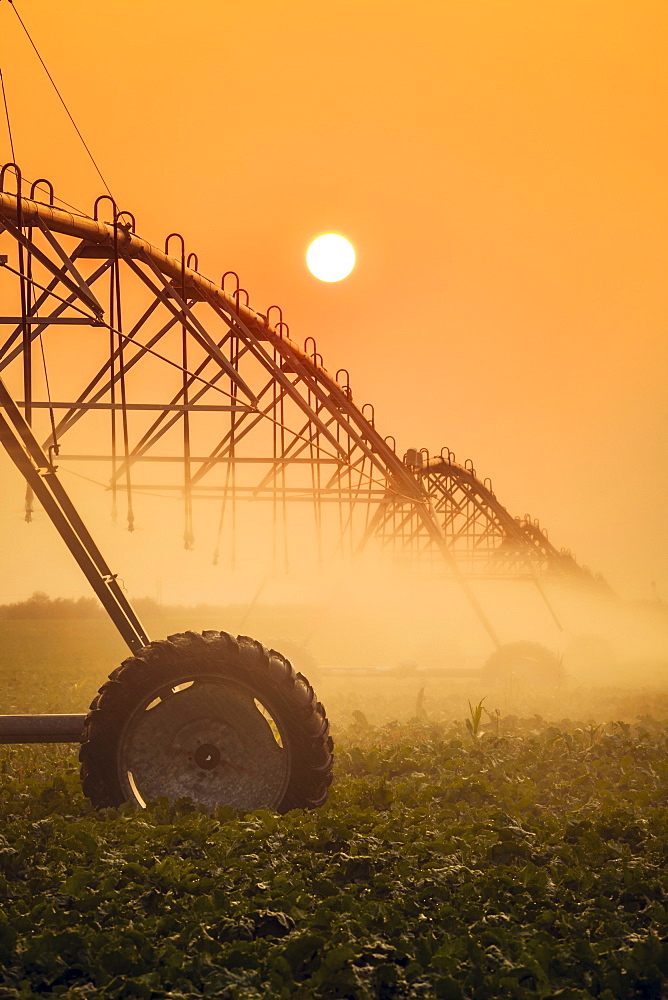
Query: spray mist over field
[(400, 634)]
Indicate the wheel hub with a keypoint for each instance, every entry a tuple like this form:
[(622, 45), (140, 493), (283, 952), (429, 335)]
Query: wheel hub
[(209, 742), (207, 756)]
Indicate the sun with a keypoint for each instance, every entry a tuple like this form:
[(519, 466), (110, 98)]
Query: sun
[(330, 257)]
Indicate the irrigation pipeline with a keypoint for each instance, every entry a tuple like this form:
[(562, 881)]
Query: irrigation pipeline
[(414, 484), (122, 240)]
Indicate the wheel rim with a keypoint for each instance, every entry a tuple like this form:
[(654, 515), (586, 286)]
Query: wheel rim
[(211, 740)]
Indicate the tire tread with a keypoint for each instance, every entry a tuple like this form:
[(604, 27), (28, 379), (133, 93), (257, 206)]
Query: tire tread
[(163, 661)]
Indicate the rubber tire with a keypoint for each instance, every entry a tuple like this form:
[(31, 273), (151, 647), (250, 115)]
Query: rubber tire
[(169, 661), (526, 662)]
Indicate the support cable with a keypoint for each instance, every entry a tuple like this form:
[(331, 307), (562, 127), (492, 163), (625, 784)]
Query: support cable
[(274, 433), (9, 125), (32, 309), (112, 391), (29, 306), (105, 486), (188, 533), (116, 281), (60, 96), (52, 415)]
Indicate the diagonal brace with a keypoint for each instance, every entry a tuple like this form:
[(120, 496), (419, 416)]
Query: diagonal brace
[(24, 450)]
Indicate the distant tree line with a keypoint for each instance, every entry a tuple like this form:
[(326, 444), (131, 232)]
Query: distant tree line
[(40, 605)]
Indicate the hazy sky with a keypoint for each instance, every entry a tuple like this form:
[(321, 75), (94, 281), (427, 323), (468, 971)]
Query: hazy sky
[(500, 166)]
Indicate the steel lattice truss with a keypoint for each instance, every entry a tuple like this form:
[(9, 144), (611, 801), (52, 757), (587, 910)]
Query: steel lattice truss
[(173, 384), (480, 532)]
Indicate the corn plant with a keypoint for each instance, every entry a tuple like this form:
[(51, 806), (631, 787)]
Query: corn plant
[(473, 724)]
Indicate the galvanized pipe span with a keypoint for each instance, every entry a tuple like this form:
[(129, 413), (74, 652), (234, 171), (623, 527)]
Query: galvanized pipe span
[(106, 235), (412, 488)]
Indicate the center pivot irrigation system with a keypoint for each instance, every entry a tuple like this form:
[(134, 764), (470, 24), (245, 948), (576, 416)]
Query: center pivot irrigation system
[(168, 383)]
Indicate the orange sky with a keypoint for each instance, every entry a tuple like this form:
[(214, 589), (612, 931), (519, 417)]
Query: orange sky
[(500, 166)]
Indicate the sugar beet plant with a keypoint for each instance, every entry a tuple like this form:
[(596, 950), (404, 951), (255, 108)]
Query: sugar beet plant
[(527, 865)]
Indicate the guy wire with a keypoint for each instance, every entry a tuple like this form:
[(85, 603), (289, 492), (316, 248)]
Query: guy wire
[(9, 125), (60, 96)]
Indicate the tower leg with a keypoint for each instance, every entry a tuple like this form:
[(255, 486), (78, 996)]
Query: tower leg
[(22, 446)]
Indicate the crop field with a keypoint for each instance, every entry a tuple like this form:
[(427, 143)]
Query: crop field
[(516, 849)]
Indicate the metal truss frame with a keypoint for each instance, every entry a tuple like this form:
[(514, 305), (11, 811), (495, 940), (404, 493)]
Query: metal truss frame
[(248, 415)]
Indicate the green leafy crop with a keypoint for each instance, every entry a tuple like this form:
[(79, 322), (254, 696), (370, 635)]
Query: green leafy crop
[(532, 864), (528, 862)]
